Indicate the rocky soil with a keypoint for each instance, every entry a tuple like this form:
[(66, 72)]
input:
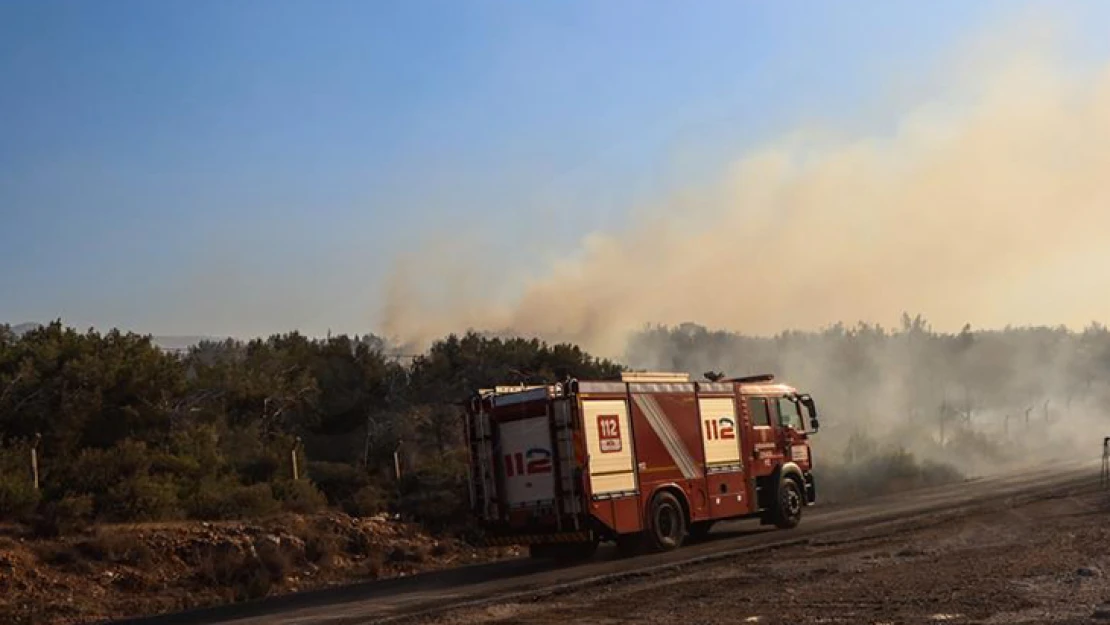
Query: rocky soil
[(120, 571)]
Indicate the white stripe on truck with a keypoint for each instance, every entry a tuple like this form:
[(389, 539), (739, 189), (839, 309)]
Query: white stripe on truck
[(667, 434)]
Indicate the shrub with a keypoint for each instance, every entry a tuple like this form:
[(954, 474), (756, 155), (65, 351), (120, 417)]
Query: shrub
[(299, 496), (116, 547), (71, 513), (65, 557), (882, 473), (321, 548), (226, 499), (259, 469), (275, 561), (368, 501), (140, 498), (18, 497), (435, 496), (242, 575), (338, 481), (96, 471)]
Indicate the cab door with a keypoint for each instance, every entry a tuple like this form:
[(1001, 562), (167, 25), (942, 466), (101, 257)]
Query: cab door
[(766, 447), (790, 429)]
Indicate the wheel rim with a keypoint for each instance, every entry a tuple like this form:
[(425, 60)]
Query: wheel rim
[(667, 522), (792, 502)]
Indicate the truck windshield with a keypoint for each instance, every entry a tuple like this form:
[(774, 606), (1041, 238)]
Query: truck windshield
[(789, 416)]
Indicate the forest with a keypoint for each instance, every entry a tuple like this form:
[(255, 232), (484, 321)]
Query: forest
[(124, 431)]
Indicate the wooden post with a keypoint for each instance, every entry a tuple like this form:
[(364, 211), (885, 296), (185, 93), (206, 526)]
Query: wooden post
[(293, 453), (1104, 478), (397, 461), (35, 459)]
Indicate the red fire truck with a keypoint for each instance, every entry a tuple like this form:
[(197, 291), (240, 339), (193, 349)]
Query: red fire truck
[(646, 461)]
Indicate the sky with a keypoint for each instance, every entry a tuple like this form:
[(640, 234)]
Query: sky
[(243, 168)]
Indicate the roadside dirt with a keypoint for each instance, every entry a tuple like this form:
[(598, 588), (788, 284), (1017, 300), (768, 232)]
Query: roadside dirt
[(1047, 561), (116, 572)]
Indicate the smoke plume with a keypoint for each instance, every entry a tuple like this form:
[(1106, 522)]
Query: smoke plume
[(987, 204)]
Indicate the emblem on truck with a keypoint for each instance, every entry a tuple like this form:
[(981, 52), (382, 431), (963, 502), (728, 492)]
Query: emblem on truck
[(532, 462), (609, 433)]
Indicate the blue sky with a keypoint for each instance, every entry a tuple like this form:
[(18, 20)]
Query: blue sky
[(247, 167)]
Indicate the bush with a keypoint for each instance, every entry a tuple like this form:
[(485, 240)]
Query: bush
[(368, 501), (117, 548), (882, 473), (299, 496), (321, 548), (338, 481), (276, 562), (18, 497), (65, 557), (71, 513), (96, 471), (435, 497), (140, 498), (226, 499), (243, 575)]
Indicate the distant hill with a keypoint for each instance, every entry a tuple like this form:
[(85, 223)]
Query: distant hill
[(23, 328), (177, 343)]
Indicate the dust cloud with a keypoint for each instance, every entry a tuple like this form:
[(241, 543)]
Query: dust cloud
[(986, 204)]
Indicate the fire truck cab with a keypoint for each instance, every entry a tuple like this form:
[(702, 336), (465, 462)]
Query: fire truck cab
[(646, 461)]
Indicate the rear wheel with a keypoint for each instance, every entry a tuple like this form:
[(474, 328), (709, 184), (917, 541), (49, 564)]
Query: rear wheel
[(787, 512), (666, 523)]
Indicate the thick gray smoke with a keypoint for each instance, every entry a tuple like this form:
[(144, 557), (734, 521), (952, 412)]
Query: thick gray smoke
[(981, 402)]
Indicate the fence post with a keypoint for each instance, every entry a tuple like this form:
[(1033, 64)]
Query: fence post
[(35, 459), (397, 461), (1104, 477), (293, 454)]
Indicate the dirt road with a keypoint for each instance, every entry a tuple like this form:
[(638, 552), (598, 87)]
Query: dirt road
[(870, 560), (1040, 561)]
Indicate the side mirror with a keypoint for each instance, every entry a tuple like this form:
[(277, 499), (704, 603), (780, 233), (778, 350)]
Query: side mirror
[(811, 408)]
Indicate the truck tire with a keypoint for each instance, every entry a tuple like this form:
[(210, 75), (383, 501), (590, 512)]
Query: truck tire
[(787, 512), (666, 526)]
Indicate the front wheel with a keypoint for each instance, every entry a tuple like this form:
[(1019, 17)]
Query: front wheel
[(788, 505)]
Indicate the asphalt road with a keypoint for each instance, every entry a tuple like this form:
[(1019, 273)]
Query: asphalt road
[(401, 599)]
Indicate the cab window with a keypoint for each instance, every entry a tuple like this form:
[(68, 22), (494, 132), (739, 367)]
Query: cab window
[(758, 407), (789, 415)]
